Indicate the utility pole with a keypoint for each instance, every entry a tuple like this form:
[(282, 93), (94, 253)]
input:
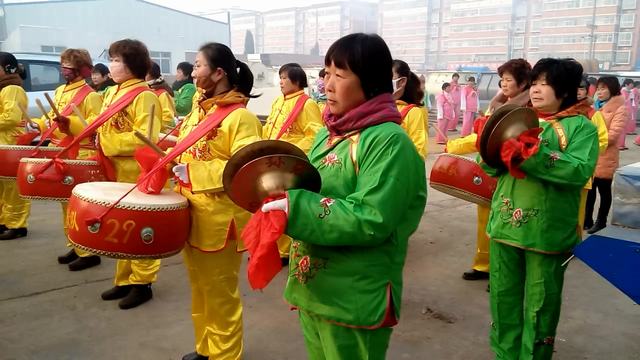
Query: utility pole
[(592, 37)]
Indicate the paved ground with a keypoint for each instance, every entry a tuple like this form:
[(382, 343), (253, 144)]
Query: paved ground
[(47, 312)]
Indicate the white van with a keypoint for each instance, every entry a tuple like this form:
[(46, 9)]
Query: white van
[(43, 75)]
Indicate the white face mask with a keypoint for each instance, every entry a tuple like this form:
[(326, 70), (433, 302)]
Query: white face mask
[(395, 82)]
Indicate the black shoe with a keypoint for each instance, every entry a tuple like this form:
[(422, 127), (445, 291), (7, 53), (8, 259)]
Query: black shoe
[(284, 261), (195, 356), (3, 228), (11, 234), (488, 287), (599, 225), (82, 263), (138, 295), (68, 257), (116, 292), (587, 225), (475, 275)]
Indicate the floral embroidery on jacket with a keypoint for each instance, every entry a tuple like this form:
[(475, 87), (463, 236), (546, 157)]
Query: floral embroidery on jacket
[(325, 203), (331, 160), (553, 157), (120, 121), (516, 217), (304, 267), (200, 151)]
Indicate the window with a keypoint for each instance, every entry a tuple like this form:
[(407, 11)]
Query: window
[(163, 59), (628, 4), (51, 49), (518, 42), (623, 57), (42, 76), (628, 20), (625, 39)]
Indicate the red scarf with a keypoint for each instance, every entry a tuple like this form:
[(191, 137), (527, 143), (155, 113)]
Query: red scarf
[(377, 110)]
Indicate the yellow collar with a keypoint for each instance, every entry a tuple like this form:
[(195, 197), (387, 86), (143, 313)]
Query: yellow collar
[(294, 95), (132, 82), (74, 85), (400, 102)]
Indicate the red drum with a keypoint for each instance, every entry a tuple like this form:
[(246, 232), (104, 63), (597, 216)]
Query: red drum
[(140, 226), (57, 181), (463, 178), (10, 156), (167, 141)]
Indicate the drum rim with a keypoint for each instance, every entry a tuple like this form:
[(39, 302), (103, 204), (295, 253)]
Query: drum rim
[(120, 255), (30, 147), (458, 157), (44, 198), (66, 161), (480, 200)]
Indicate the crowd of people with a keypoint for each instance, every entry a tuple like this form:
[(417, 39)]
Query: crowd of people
[(364, 125)]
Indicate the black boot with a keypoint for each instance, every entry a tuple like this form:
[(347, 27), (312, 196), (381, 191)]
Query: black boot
[(588, 224), (475, 275), (138, 295), (68, 257), (599, 225), (11, 234), (3, 228), (84, 263), (195, 356), (116, 292)]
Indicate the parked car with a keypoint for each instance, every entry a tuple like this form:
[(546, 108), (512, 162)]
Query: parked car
[(43, 75)]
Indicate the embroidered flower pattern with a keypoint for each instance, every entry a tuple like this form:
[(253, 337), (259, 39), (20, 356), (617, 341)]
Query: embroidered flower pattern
[(331, 160), (304, 267), (553, 157), (120, 121), (325, 203), (515, 217), (200, 151)]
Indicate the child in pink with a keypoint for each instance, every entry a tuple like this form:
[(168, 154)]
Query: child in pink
[(446, 112), (469, 105), (630, 126), (455, 96)]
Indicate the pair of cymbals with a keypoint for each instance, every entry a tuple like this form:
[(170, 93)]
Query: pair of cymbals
[(267, 169), (507, 122)]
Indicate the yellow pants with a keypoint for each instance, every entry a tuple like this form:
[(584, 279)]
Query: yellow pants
[(216, 308), (581, 211), (136, 272), (14, 210), (284, 244), (80, 253), (481, 260)]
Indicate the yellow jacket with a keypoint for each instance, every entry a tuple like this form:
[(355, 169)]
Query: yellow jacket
[(212, 212), (415, 124), (463, 145), (116, 136), (303, 130), (603, 139), (89, 108), (168, 111), (11, 97)]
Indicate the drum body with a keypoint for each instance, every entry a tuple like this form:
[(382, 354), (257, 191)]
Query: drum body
[(141, 226), (56, 182), (463, 178), (10, 156), (167, 141)]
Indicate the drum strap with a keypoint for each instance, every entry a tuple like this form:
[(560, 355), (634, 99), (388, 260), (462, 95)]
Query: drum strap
[(297, 109), (406, 110), (562, 135)]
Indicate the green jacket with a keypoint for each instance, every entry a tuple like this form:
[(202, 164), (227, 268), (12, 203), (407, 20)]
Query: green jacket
[(353, 235), (183, 98), (540, 212)]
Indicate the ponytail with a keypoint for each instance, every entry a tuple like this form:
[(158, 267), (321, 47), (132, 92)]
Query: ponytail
[(412, 93), (238, 73), (245, 79)]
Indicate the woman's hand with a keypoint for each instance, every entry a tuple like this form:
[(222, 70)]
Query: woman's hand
[(280, 204), (181, 171)]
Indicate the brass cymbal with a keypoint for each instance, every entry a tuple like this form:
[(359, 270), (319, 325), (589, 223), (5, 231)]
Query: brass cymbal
[(270, 176), (507, 122), (256, 150)]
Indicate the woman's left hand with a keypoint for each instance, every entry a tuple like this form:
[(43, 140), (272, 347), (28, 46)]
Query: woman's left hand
[(280, 204)]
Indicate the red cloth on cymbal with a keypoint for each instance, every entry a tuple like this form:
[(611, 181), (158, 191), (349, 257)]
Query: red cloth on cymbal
[(478, 126), (514, 151), (260, 237), (147, 159)]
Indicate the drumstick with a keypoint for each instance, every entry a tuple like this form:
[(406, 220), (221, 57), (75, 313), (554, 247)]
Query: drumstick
[(153, 146), (42, 109), (26, 118), (52, 104), (439, 132), (79, 114), (151, 111)]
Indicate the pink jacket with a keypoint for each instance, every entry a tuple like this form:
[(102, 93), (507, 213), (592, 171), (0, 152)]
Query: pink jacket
[(445, 106), (455, 92), (469, 99), (615, 117)]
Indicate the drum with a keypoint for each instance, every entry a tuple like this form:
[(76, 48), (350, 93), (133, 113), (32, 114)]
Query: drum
[(140, 226), (10, 156), (57, 181), (463, 178), (167, 141)]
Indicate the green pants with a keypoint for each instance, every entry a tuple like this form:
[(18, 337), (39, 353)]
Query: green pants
[(327, 341), (526, 294)]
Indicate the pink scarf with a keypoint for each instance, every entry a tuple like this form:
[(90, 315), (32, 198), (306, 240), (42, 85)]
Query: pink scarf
[(377, 110)]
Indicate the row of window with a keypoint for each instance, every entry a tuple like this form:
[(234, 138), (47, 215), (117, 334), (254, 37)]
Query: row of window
[(162, 58), (624, 39), (550, 5)]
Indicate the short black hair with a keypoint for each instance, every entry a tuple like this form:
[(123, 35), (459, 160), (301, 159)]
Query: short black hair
[(295, 73), (563, 75), (367, 56), (322, 73), (186, 68), (412, 93), (154, 72), (100, 68), (612, 83), (455, 75), (135, 56), (445, 85), (471, 78), (627, 81)]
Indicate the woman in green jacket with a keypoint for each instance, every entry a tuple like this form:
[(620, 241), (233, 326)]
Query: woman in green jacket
[(345, 269), (183, 88), (533, 224)]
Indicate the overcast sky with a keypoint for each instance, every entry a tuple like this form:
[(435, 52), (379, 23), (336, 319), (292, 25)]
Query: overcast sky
[(203, 6)]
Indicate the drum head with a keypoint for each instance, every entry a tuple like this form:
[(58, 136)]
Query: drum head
[(270, 176)]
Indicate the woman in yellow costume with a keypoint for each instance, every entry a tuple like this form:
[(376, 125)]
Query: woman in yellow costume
[(213, 251), (157, 83), (75, 67), (14, 211), (116, 144), (408, 97), (294, 118), (514, 88)]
